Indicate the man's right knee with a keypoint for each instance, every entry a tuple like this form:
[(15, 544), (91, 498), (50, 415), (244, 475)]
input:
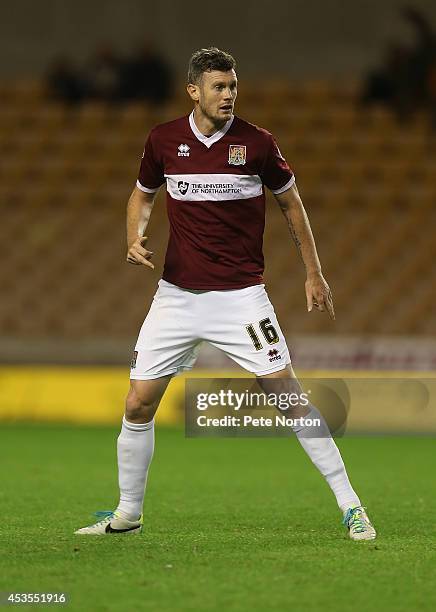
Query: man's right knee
[(143, 399), (139, 410)]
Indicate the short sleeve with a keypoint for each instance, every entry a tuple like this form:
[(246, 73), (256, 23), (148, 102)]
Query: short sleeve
[(151, 172), (276, 173)]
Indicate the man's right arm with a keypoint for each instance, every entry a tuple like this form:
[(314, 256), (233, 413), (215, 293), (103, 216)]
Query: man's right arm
[(139, 209)]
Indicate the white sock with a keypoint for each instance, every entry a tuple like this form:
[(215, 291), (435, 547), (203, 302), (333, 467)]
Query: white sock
[(135, 448), (322, 450)]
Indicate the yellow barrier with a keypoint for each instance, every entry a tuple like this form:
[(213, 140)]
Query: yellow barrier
[(81, 394), (95, 395)]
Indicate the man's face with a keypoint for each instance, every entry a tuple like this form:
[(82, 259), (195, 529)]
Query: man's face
[(217, 93)]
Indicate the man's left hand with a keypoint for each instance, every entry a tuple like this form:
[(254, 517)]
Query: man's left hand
[(318, 294)]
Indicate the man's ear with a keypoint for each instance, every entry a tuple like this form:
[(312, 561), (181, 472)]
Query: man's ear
[(193, 92)]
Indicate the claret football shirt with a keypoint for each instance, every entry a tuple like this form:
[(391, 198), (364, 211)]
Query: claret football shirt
[(215, 199)]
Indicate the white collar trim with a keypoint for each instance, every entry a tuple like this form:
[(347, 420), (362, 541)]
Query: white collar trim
[(209, 140)]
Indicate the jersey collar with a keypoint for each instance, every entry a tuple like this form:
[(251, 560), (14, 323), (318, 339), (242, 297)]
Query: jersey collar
[(209, 140)]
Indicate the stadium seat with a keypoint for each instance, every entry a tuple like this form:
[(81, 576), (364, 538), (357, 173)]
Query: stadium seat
[(367, 181)]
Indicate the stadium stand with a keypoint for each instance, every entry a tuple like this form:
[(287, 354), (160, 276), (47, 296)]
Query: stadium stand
[(367, 181)]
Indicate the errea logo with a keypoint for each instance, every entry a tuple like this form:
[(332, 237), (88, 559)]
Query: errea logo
[(183, 150), (273, 355)]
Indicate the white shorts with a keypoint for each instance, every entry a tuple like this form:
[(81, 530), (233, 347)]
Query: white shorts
[(240, 322)]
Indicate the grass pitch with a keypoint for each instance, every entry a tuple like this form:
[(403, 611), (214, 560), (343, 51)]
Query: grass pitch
[(229, 524)]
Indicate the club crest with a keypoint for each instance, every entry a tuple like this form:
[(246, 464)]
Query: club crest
[(237, 155)]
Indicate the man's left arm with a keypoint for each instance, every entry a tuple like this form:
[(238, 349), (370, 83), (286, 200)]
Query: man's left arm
[(318, 292)]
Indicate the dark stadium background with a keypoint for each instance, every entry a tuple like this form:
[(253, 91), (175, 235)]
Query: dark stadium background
[(314, 74)]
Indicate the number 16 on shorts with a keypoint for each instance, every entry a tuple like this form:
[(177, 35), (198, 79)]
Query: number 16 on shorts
[(267, 330)]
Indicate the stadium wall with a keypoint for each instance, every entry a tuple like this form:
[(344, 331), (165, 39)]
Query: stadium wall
[(345, 37), (376, 402)]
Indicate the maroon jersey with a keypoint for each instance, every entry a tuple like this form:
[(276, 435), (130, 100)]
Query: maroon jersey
[(215, 199)]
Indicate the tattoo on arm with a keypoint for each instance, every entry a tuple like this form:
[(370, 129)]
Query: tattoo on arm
[(295, 237), (285, 210)]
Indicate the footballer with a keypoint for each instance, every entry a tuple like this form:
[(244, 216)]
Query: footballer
[(215, 167)]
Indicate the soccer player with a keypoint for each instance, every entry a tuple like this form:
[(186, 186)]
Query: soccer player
[(215, 167)]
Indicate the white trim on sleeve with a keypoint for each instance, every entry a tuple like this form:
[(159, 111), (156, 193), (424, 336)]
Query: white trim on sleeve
[(146, 189), (285, 187)]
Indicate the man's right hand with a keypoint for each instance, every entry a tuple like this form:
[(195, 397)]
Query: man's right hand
[(138, 255)]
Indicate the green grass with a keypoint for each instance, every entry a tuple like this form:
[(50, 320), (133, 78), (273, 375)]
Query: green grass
[(230, 524)]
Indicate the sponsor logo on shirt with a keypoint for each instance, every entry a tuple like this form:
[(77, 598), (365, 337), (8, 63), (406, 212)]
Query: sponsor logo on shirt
[(213, 187), (133, 361), (208, 188), (237, 155), (183, 150), (183, 187)]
